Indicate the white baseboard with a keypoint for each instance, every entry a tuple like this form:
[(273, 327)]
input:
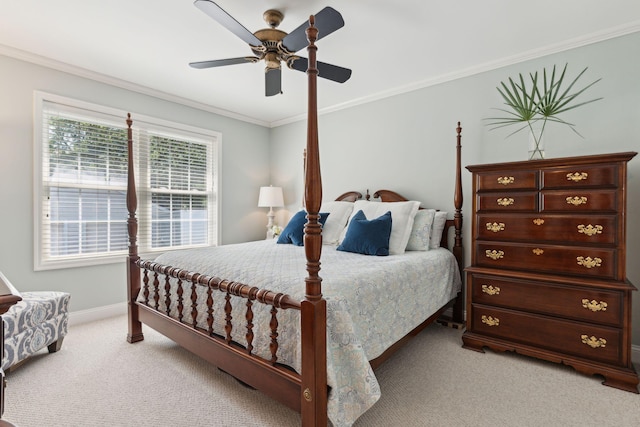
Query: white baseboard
[(98, 313)]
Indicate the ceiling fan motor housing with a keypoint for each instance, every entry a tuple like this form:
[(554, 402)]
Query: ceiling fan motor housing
[(271, 50)]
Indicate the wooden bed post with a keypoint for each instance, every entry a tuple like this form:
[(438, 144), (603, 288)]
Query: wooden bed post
[(458, 251), (133, 271), (313, 315)]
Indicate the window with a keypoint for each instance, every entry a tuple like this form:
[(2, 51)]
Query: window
[(81, 182)]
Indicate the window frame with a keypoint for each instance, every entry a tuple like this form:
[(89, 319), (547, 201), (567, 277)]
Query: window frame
[(211, 139)]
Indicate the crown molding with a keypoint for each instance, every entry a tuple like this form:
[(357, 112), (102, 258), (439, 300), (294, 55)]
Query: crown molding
[(123, 84), (592, 38), (597, 37)]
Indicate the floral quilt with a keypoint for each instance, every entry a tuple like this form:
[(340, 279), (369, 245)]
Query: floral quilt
[(371, 303)]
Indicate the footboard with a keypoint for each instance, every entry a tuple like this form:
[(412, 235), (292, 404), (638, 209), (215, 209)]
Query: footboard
[(169, 304), (306, 393)]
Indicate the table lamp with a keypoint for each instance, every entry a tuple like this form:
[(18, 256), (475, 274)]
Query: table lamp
[(270, 197)]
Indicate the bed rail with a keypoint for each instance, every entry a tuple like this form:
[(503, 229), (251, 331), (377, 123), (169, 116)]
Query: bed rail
[(152, 286)]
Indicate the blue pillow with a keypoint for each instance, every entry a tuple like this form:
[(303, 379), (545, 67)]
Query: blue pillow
[(294, 231), (367, 237)]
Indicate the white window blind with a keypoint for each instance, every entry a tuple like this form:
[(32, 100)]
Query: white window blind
[(81, 213), (178, 188)]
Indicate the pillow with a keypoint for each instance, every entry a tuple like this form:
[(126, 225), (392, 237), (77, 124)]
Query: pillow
[(419, 239), (294, 231), (337, 222), (367, 237), (437, 229), (6, 287), (402, 213)]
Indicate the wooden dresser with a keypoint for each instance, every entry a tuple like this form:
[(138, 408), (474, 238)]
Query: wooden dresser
[(548, 274)]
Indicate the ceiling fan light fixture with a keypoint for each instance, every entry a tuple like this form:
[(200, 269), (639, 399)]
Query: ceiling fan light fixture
[(272, 60), (275, 46)]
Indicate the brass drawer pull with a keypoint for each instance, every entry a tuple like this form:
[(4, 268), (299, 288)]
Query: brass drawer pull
[(577, 200), (490, 290), (490, 321), (505, 201), (594, 305), (495, 227), (506, 180), (538, 251), (577, 176), (493, 254), (538, 221), (589, 262), (593, 342), (590, 230)]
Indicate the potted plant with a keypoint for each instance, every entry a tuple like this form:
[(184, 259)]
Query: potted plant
[(535, 105)]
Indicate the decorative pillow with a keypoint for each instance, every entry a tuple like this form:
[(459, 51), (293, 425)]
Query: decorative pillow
[(367, 237), (337, 222), (402, 213), (6, 287), (294, 231), (438, 227), (421, 230)]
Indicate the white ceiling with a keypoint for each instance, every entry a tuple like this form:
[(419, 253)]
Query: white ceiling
[(391, 46)]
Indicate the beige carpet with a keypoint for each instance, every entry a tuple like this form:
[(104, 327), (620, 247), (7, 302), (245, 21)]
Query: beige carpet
[(98, 379)]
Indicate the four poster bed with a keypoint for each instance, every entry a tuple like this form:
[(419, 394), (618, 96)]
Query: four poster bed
[(243, 308)]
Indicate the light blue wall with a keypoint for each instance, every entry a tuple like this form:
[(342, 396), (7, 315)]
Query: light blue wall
[(245, 167), (406, 142)]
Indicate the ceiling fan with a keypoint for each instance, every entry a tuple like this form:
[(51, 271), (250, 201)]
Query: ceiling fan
[(274, 46)]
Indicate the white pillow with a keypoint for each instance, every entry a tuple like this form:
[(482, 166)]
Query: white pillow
[(339, 213), (6, 287), (419, 239), (402, 215), (438, 227)]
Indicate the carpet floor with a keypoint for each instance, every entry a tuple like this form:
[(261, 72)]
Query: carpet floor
[(98, 379)]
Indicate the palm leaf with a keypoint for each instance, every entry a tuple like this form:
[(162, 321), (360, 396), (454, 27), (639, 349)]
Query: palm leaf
[(545, 101), (522, 103)]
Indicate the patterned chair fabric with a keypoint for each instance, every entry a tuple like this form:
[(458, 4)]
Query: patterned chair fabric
[(40, 320)]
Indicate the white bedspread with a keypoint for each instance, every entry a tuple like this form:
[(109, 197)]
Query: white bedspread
[(371, 303)]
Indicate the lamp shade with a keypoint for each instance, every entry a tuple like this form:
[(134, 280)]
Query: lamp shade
[(270, 197)]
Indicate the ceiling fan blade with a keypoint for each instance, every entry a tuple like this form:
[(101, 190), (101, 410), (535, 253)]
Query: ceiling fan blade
[(327, 21), (227, 21), (272, 81), (326, 71), (221, 62)]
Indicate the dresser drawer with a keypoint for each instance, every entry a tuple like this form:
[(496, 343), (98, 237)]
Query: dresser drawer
[(593, 342), (591, 305), (507, 180), (583, 261), (594, 229), (507, 202), (581, 176), (581, 200)]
